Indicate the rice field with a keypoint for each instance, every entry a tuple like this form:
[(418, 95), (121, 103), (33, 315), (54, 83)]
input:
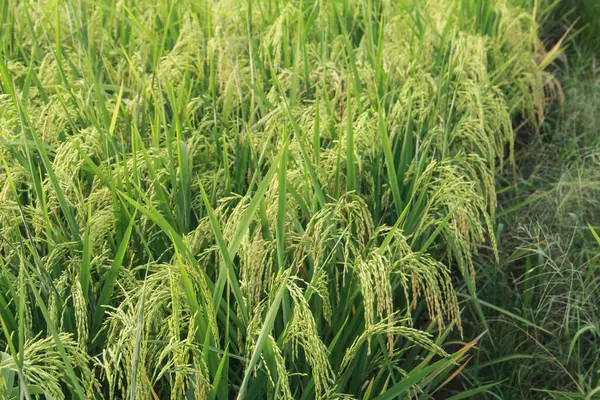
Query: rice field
[(262, 199)]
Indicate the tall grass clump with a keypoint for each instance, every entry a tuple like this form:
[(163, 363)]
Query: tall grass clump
[(251, 199), (542, 303)]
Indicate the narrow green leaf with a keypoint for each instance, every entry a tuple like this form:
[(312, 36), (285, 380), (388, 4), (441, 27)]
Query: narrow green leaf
[(473, 393), (350, 163), (112, 275), (267, 326), (85, 271), (227, 270), (508, 313)]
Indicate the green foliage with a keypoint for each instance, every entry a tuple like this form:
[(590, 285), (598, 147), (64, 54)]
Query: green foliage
[(542, 302)]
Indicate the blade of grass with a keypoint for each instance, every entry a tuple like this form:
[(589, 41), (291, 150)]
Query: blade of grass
[(227, 271), (267, 326), (112, 275), (508, 313)]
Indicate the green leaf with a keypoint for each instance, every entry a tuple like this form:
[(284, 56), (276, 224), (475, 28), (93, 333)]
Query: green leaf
[(472, 393), (227, 270), (508, 313), (267, 326), (111, 276), (350, 163)]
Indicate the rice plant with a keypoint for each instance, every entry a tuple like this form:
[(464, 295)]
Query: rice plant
[(251, 199)]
